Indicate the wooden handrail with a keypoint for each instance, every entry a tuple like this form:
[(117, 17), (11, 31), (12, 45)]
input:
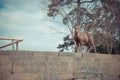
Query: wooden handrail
[(17, 39), (14, 41)]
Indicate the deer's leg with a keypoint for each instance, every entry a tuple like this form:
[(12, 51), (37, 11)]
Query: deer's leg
[(88, 48), (94, 47), (77, 47), (91, 47), (80, 49), (91, 42)]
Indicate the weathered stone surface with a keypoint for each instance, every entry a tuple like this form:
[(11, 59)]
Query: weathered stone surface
[(34, 65)]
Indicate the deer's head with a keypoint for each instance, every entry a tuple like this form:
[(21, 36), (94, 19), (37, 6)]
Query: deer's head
[(77, 28)]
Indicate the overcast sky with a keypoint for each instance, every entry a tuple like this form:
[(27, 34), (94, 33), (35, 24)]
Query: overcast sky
[(27, 19)]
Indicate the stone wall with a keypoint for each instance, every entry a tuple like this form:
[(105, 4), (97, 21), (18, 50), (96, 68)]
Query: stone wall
[(33, 65)]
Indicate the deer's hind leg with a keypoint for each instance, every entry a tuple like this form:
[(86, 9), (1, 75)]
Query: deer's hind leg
[(93, 46), (89, 48)]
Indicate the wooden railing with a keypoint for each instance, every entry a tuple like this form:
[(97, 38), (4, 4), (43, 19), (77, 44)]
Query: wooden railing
[(14, 41)]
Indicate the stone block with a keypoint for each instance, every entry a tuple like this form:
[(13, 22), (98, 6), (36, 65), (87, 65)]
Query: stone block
[(3, 52), (24, 76), (39, 54), (52, 76), (27, 63), (52, 58), (79, 75), (5, 67), (38, 69), (58, 76), (66, 76), (17, 70), (29, 53), (18, 63), (63, 58), (5, 70), (31, 76), (4, 58), (52, 63), (4, 76), (101, 69), (111, 76), (40, 59), (88, 55), (28, 69), (66, 54), (114, 69), (87, 75), (51, 54), (59, 66)]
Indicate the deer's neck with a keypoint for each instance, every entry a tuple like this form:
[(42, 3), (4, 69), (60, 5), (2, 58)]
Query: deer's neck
[(77, 31)]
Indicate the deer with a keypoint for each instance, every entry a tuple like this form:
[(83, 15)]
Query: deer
[(83, 38)]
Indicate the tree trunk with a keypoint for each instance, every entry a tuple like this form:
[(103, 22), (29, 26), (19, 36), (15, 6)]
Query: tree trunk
[(78, 12)]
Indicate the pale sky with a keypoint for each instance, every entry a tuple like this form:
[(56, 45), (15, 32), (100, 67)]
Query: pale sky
[(27, 19)]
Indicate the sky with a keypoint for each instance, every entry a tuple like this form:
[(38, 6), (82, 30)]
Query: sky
[(27, 19)]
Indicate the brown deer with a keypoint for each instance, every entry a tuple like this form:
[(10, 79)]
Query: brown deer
[(83, 38)]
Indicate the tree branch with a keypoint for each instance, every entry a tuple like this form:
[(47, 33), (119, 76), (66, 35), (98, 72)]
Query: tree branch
[(87, 1)]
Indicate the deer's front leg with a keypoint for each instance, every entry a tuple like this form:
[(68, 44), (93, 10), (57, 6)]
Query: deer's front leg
[(80, 50)]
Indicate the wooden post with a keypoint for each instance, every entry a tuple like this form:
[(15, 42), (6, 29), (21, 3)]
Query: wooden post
[(17, 46), (12, 44)]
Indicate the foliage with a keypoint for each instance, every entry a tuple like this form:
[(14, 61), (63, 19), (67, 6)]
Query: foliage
[(100, 17)]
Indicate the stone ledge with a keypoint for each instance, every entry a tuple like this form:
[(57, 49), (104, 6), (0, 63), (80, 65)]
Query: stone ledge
[(58, 66)]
